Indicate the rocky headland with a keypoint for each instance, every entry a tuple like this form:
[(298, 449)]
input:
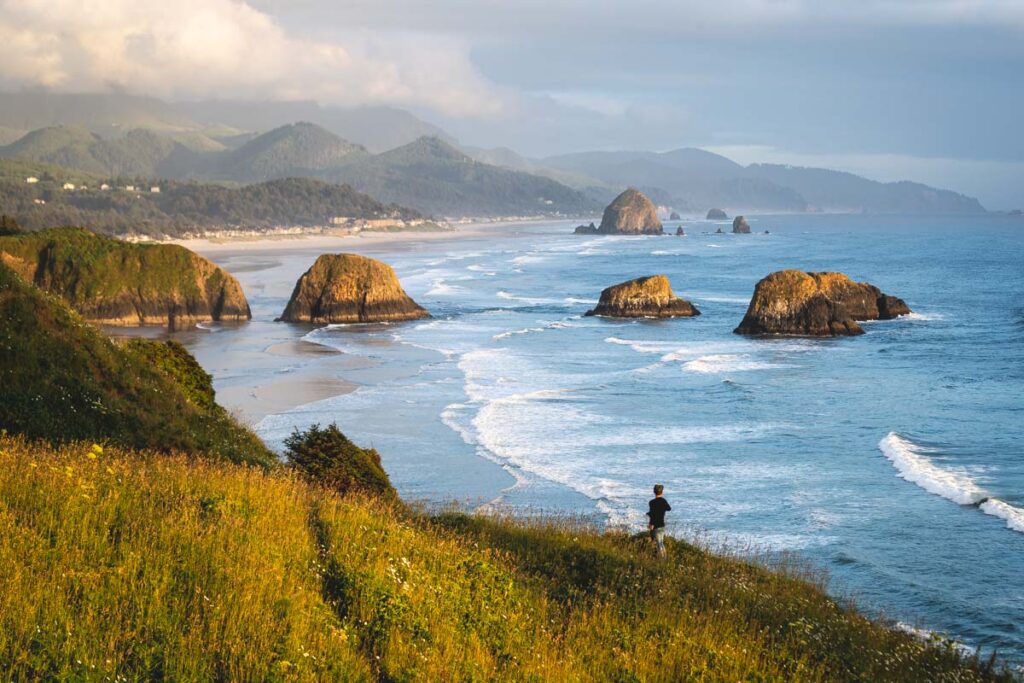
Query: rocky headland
[(740, 226), (793, 302), (349, 288), (631, 213), (716, 215), (645, 297), (118, 283)]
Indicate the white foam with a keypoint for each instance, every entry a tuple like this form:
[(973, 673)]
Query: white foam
[(532, 301), (922, 317), (915, 467), (512, 333), (954, 485), (442, 288), (1014, 516), (716, 364)]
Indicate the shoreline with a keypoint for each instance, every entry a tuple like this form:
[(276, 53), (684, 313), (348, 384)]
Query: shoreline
[(258, 241)]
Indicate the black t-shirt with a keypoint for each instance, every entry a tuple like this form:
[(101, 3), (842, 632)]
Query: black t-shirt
[(657, 509)]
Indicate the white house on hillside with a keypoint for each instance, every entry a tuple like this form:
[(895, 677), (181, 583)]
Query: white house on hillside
[(69, 186), (155, 189), (31, 180), (104, 186)]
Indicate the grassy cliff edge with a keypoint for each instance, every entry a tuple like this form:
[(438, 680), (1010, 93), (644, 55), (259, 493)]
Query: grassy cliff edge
[(119, 565)]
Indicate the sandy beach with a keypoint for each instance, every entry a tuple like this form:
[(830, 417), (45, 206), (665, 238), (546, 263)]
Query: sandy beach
[(332, 242)]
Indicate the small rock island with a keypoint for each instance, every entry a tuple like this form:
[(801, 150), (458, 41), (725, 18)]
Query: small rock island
[(349, 288), (645, 297), (740, 226), (111, 282), (716, 215), (792, 302), (674, 216), (631, 213)]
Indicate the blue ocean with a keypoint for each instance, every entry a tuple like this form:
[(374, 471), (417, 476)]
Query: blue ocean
[(894, 460)]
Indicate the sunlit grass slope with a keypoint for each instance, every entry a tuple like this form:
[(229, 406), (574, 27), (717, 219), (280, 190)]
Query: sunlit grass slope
[(119, 565)]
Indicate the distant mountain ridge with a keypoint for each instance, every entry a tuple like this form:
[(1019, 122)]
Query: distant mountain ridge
[(428, 174), (382, 151), (695, 180)]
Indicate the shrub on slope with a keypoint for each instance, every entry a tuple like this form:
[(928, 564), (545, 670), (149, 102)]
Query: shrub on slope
[(61, 379)]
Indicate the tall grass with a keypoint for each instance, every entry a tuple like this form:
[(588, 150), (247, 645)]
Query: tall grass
[(120, 565)]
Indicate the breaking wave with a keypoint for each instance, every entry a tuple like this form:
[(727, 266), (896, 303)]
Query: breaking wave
[(915, 466)]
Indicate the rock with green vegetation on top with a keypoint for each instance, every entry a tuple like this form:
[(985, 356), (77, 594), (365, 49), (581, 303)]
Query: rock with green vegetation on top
[(118, 283), (631, 213), (645, 297), (793, 302), (349, 288)]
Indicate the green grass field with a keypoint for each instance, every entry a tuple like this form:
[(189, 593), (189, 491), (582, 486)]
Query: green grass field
[(121, 565)]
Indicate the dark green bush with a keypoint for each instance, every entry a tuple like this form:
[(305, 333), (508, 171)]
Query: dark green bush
[(327, 456)]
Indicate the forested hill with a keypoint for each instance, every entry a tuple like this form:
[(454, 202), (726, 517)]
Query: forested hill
[(186, 207)]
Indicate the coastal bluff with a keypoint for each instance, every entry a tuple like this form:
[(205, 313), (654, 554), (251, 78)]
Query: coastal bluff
[(349, 288), (644, 297), (111, 282), (792, 302), (631, 213)]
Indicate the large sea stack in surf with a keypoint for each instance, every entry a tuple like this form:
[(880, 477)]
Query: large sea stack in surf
[(740, 226), (118, 283), (631, 213), (644, 297), (349, 288), (716, 215), (793, 302)]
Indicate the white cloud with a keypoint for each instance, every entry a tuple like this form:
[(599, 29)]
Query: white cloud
[(226, 48)]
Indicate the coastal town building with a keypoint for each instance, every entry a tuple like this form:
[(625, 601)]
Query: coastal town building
[(69, 186), (31, 180)]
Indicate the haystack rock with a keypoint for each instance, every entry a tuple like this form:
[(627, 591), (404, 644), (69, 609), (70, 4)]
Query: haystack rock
[(740, 226), (675, 216), (816, 304), (348, 288), (716, 215), (645, 297), (632, 213), (586, 229), (680, 232)]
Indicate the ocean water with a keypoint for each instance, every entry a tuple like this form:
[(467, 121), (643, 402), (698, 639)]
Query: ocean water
[(894, 460)]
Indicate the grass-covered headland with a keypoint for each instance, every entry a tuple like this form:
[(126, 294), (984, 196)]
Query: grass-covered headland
[(128, 565)]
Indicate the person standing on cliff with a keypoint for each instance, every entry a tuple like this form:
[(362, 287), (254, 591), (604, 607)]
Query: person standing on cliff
[(657, 508)]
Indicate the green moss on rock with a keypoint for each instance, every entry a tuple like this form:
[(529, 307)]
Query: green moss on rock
[(117, 283)]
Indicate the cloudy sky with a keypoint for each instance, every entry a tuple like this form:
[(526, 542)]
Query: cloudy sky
[(928, 90)]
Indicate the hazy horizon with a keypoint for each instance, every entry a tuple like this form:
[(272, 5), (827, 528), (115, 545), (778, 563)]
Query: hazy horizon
[(926, 91)]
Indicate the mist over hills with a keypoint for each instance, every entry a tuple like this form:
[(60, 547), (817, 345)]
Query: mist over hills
[(395, 157)]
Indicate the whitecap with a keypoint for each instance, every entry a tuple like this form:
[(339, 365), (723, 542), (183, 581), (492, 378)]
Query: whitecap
[(726, 362), (917, 468)]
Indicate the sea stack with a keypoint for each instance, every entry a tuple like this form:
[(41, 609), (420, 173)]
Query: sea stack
[(586, 229), (645, 297), (793, 302), (674, 216), (680, 232), (111, 282), (632, 213), (716, 215), (740, 226), (348, 288)]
